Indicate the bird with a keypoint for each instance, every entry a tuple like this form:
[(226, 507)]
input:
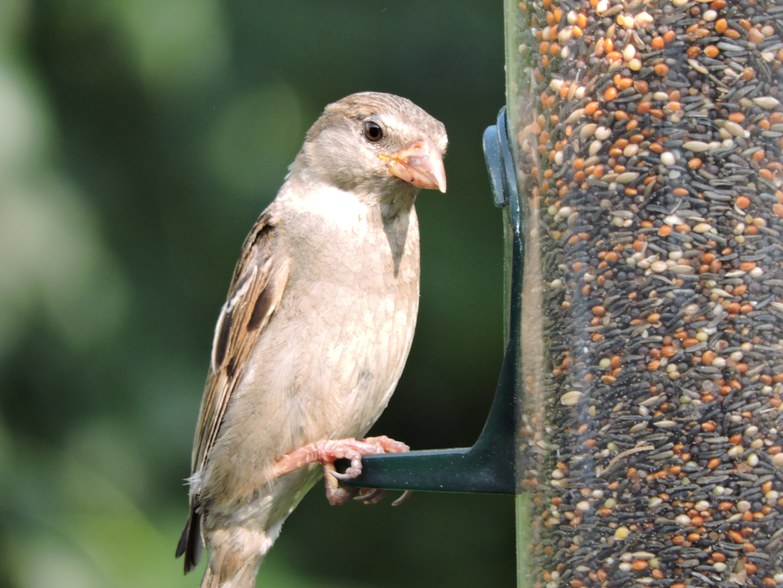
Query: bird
[(315, 331)]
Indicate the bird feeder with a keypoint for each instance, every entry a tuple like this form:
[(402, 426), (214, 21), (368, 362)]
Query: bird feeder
[(647, 141), (638, 417)]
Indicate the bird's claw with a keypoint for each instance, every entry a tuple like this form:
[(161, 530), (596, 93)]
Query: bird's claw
[(403, 498), (353, 471), (327, 451), (369, 495)]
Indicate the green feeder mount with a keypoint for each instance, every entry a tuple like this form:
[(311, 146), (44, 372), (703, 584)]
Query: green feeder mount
[(490, 465)]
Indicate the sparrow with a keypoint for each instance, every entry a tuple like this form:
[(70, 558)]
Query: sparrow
[(314, 334)]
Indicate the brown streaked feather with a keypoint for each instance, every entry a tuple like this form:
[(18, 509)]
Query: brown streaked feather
[(256, 289), (255, 292)]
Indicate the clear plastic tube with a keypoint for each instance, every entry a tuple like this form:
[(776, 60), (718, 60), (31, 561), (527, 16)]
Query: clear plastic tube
[(648, 140)]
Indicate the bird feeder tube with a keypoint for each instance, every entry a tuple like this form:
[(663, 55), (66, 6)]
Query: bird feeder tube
[(647, 142)]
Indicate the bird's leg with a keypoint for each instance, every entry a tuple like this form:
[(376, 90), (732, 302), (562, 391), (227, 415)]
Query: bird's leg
[(327, 451)]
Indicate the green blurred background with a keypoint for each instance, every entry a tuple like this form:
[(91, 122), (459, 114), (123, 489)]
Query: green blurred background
[(139, 140)]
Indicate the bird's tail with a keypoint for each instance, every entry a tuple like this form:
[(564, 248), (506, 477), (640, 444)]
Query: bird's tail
[(234, 557), (190, 543)]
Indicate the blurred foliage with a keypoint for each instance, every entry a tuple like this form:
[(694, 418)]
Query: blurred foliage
[(138, 142)]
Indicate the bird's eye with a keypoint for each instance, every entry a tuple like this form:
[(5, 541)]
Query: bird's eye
[(373, 131)]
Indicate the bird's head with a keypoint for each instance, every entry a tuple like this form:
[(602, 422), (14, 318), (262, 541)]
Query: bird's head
[(376, 144)]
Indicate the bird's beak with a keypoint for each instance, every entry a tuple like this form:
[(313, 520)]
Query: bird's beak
[(419, 164)]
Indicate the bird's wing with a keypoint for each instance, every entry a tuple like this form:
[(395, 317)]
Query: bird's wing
[(255, 293), (256, 289)]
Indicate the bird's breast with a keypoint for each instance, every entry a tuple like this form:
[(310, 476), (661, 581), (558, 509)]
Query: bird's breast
[(365, 300), (335, 348)]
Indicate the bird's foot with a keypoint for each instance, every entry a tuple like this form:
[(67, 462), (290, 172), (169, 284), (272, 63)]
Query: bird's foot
[(328, 451)]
